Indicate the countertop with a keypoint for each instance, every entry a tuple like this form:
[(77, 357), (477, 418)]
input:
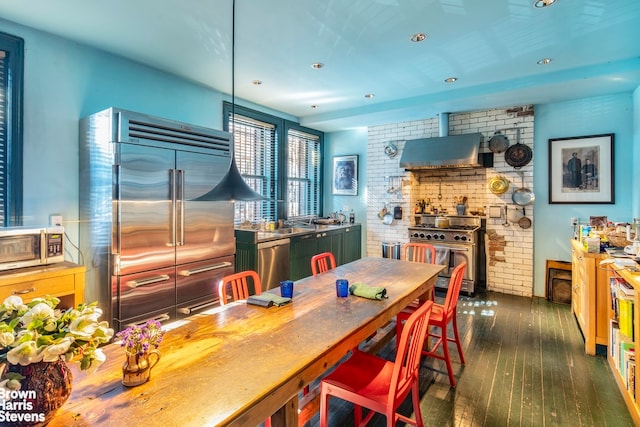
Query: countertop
[(258, 236)]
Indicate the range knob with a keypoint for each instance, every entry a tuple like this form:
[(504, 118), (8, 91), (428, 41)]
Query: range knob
[(463, 238), (456, 237), (428, 236), (442, 237), (422, 235)]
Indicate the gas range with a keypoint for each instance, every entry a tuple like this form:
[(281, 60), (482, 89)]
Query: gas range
[(460, 230), (426, 234)]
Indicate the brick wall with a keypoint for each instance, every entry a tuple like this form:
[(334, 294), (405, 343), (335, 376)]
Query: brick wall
[(509, 248)]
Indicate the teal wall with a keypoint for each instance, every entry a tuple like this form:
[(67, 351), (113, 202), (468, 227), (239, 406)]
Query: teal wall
[(347, 143), (587, 116)]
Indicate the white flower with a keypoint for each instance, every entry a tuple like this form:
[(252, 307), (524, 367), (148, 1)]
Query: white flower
[(24, 354), (14, 303), (6, 339), (52, 352), (84, 327), (40, 311), (98, 359)]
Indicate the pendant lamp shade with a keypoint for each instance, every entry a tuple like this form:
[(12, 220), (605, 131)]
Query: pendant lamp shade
[(232, 187)]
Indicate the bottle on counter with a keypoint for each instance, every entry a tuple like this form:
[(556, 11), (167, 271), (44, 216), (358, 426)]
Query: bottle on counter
[(352, 217)]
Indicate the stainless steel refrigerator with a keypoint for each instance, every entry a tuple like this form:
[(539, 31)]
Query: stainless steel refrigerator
[(151, 250)]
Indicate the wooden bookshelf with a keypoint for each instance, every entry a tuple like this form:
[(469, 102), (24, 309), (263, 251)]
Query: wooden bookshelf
[(626, 383)]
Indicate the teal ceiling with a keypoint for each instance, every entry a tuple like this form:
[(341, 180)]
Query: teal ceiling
[(491, 46)]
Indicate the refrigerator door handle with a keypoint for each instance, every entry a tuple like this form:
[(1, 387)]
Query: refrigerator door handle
[(189, 310), (180, 207), (204, 269), (149, 281), (116, 213), (172, 213)]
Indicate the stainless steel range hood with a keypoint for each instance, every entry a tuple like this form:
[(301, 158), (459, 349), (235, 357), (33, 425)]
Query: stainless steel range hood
[(456, 151), (445, 151)]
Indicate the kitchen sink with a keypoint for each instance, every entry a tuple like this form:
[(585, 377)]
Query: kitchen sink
[(293, 230)]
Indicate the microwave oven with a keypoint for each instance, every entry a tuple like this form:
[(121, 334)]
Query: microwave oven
[(30, 246)]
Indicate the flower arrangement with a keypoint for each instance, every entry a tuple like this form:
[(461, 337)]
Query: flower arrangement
[(138, 339), (39, 332)]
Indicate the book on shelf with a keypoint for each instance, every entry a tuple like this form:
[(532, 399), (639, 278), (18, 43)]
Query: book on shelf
[(625, 317), (625, 349), (625, 288), (614, 339), (631, 377)]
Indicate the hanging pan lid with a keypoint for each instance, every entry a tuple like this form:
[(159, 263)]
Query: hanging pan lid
[(498, 142), (498, 185), (518, 155)]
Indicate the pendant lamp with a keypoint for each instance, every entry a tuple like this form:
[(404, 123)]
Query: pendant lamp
[(232, 187)]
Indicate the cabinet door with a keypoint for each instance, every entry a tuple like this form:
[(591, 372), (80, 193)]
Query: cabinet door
[(576, 284), (351, 243), (331, 241), (302, 249)]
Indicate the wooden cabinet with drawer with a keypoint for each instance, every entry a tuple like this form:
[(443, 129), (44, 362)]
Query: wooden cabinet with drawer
[(589, 299), (64, 280)]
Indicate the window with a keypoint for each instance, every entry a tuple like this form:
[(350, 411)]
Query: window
[(11, 75), (278, 159), (303, 174)]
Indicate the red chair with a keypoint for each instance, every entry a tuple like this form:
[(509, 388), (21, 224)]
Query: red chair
[(322, 262), (416, 252), (378, 384), (441, 315), (239, 286)]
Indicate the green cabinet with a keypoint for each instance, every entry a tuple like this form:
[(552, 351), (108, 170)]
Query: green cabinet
[(344, 243), (302, 249), (351, 244)]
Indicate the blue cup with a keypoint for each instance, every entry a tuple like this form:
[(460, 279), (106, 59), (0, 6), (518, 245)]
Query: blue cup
[(286, 288), (342, 288)]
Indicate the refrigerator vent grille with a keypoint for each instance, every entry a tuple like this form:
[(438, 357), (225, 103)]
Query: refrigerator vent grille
[(178, 134)]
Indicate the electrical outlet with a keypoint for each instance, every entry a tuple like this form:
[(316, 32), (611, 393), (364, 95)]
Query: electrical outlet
[(574, 221), (55, 220)]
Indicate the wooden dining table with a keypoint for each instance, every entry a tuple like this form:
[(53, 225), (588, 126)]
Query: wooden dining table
[(238, 364)]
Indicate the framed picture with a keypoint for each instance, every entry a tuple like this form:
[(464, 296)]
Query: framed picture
[(345, 175), (581, 169)]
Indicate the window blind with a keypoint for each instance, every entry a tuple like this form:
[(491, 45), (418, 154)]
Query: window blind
[(255, 153), (4, 89), (303, 174)]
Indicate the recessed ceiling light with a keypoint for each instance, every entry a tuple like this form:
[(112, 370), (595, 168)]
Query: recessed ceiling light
[(543, 3), (317, 65), (257, 82), (314, 106), (418, 37), (369, 95), (544, 61), (451, 80)]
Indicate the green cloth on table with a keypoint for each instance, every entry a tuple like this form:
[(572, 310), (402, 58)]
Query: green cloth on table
[(267, 300), (371, 292)]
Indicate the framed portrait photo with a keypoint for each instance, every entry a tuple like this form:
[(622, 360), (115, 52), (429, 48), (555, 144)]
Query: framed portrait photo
[(581, 169), (345, 175)]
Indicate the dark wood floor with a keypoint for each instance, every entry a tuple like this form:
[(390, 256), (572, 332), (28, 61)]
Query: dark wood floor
[(526, 366)]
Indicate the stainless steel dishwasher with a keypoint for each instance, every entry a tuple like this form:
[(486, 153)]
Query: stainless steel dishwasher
[(273, 262)]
